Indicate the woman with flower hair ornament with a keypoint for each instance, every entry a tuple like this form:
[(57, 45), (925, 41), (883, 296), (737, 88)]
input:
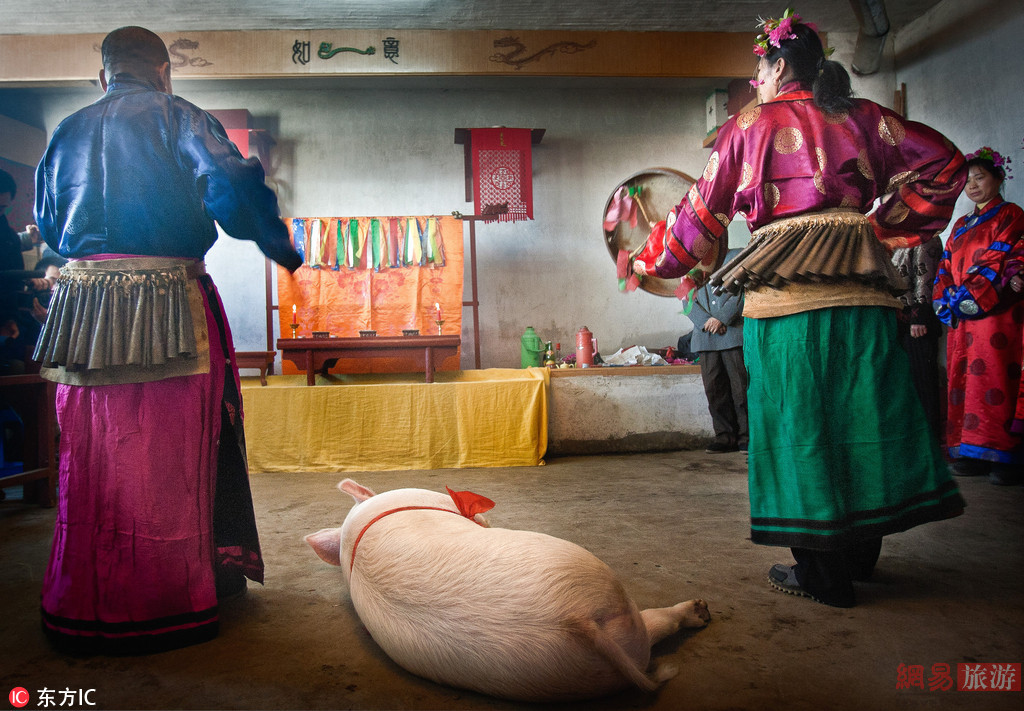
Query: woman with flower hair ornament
[(840, 452), (978, 293)]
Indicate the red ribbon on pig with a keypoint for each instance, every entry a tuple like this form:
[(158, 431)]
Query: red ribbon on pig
[(468, 503)]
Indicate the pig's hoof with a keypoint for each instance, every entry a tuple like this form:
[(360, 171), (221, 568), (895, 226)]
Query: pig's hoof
[(664, 672), (695, 613)]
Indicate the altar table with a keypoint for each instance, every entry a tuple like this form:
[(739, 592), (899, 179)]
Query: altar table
[(320, 354)]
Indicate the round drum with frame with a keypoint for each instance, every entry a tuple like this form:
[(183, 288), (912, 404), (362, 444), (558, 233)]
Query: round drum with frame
[(656, 191)]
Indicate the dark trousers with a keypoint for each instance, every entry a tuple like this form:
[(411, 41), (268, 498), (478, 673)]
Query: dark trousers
[(725, 384), (829, 575), (924, 370)]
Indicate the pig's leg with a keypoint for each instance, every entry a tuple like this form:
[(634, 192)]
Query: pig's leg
[(664, 621)]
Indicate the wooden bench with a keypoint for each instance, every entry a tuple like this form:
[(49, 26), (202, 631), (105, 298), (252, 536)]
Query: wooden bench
[(261, 360)]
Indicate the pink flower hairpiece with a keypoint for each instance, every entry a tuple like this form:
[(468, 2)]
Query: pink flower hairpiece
[(774, 31), (999, 161)]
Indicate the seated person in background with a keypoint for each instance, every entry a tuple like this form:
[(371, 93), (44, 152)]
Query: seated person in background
[(41, 286), (12, 243), (24, 298), (12, 320)]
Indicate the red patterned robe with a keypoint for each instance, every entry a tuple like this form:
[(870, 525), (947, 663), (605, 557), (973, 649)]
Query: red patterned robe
[(983, 353)]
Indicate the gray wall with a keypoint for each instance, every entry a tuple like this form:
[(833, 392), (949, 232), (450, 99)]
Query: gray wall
[(357, 147), (391, 151), (963, 67)]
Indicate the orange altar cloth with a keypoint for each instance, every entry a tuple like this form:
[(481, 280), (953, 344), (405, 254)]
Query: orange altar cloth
[(345, 296)]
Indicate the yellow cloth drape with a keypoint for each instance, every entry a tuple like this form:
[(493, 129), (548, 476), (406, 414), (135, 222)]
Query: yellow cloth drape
[(476, 418)]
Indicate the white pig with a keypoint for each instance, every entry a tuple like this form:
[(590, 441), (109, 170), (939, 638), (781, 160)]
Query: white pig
[(513, 614)]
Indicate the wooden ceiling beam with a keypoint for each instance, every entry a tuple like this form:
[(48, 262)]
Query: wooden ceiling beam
[(263, 54)]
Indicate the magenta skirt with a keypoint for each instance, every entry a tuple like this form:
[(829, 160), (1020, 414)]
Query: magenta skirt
[(134, 562)]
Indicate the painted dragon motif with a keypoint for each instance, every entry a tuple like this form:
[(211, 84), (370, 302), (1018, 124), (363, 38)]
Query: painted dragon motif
[(180, 60), (512, 58)]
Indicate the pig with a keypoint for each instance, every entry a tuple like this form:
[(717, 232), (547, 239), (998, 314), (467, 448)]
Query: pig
[(508, 613)]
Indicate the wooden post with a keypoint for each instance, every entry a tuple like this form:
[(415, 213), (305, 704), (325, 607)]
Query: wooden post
[(271, 308), (464, 137)]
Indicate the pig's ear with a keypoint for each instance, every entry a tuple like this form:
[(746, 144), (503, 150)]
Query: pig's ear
[(357, 491), (327, 544)]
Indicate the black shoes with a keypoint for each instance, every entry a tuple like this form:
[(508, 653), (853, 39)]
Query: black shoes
[(998, 474), (1005, 474), (783, 577), (970, 467), (720, 448)]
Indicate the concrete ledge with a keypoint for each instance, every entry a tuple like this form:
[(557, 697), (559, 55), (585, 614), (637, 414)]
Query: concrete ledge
[(627, 409)]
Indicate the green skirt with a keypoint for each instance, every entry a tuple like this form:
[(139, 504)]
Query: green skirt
[(840, 450)]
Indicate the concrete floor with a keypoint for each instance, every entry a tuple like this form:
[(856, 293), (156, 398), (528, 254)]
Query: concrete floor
[(674, 525)]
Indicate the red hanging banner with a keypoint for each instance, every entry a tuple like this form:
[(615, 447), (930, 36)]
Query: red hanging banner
[(502, 173)]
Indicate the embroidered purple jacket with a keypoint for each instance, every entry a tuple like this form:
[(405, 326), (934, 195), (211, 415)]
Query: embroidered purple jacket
[(787, 157)]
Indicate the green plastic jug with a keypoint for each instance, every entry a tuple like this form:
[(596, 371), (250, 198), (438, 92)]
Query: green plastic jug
[(531, 351)]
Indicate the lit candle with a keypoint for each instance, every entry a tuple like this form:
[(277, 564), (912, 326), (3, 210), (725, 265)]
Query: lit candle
[(294, 317), (437, 307)]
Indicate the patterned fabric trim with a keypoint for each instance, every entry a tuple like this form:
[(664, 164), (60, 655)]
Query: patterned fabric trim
[(937, 505), (797, 298), (145, 637)]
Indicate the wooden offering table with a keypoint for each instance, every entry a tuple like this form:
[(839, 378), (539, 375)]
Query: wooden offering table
[(320, 354)]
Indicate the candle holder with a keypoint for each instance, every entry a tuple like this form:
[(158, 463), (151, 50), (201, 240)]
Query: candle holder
[(295, 328), (439, 324)]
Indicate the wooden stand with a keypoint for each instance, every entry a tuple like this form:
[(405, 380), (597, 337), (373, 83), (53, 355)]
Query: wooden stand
[(32, 398), (260, 360), (263, 360), (464, 137)]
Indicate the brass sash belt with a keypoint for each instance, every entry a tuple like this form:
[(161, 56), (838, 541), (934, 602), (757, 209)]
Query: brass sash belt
[(130, 320)]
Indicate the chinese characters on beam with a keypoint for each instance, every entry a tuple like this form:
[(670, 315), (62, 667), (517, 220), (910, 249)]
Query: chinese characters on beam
[(302, 51)]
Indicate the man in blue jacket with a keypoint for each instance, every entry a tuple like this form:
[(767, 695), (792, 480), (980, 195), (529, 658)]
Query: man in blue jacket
[(718, 340), (155, 520)]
